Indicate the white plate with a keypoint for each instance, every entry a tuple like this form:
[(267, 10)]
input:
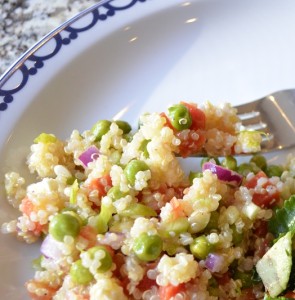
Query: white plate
[(131, 56)]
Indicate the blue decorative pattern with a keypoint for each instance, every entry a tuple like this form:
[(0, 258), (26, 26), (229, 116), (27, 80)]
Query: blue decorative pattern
[(29, 67)]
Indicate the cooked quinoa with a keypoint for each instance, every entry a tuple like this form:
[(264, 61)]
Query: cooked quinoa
[(119, 218)]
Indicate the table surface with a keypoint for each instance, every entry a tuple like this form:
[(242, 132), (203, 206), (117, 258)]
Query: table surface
[(24, 22)]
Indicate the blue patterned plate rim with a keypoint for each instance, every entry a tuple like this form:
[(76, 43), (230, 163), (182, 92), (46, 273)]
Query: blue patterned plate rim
[(7, 95)]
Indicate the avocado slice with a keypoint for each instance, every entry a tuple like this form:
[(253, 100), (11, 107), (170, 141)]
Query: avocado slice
[(274, 267)]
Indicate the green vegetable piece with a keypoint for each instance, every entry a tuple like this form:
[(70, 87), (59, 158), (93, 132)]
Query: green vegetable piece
[(71, 180), (36, 263), (200, 247), (148, 247), (214, 160), (283, 219), (237, 236), (45, 138), (132, 168), (274, 170), (101, 221), (229, 162), (213, 222), (179, 117), (64, 224), (100, 128), (192, 175), (259, 161), (177, 226), (143, 148), (245, 168), (123, 125), (274, 267), (266, 297), (106, 260), (115, 193), (137, 209), (245, 277), (74, 192), (80, 274)]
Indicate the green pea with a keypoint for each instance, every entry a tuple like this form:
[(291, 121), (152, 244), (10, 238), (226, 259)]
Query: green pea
[(106, 261), (125, 126), (132, 168), (100, 128), (80, 274), (245, 277), (179, 117), (200, 247), (148, 247), (237, 237), (229, 162), (245, 168), (213, 222), (274, 170), (64, 224), (259, 161), (192, 175)]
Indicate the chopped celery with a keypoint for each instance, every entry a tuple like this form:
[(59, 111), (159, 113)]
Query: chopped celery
[(74, 192), (45, 138), (138, 209), (177, 226)]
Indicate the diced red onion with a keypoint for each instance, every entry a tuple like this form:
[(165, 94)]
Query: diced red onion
[(50, 248), (214, 262), (91, 154), (228, 176)]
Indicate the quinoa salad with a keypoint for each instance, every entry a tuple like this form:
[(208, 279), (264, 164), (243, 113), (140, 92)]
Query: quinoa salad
[(118, 217)]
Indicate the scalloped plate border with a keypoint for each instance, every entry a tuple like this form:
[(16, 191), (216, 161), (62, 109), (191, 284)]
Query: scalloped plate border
[(100, 12)]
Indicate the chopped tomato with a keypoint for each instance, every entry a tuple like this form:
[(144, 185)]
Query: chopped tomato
[(89, 234), (252, 183), (194, 140), (223, 278), (260, 228), (263, 198), (119, 261), (27, 207), (191, 143), (247, 294), (102, 184), (169, 291), (198, 116), (290, 295), (262, 247), (177, 210), (146, 283)]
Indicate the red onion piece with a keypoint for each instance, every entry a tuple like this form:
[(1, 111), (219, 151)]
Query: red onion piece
[(214, 262), (227, 176), (50, 248), (91, 154)]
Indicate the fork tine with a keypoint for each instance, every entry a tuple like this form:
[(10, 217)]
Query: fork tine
[(274, 115)]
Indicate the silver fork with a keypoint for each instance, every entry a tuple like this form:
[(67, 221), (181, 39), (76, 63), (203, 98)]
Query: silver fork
[(273, 114)]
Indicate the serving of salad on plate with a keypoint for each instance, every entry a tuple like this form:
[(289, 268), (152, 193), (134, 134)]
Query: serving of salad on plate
[(119, 218)]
